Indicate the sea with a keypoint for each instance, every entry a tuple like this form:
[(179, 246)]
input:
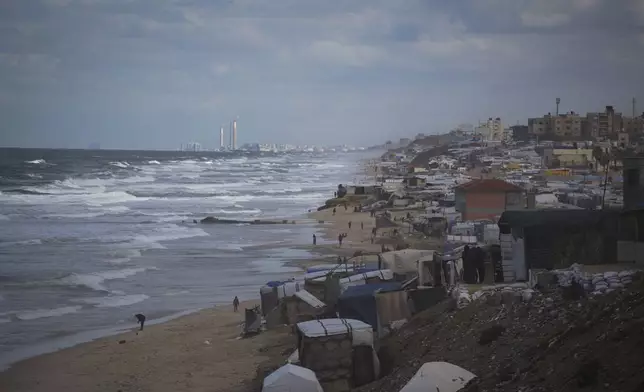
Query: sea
[(90, 238)]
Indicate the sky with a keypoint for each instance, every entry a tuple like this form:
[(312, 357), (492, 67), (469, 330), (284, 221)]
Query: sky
[(152, 74)]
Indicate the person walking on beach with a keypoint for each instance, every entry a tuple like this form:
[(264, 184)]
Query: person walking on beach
[(340, 237), (333, 210), (235, 304), (315, 240), (349, 225), (140, 320)]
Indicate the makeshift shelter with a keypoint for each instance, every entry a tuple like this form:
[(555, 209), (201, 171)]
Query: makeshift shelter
[(359, 302), (292, 378), (551, 239), (301, 305), (438, 376), (403, 262), (252, 321), (339, 351)]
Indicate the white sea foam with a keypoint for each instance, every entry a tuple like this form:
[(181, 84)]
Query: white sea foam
[(95, 280), (37, 162), (115, 301), (122, 165), (153, 162), (42, 313)]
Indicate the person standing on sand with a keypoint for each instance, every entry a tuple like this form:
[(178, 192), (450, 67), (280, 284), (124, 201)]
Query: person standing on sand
[(315, 240), (235, 304), (333, 210), (349, 225), (361, 225), (140, 320), (340, 237)]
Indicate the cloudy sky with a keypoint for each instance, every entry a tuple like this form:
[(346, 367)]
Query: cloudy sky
[(157, 73)]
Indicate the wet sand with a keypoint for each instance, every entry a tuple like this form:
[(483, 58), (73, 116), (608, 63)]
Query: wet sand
[(198, 352)]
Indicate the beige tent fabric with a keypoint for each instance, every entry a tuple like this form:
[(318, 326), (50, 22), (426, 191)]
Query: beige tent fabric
[(404, 261), (392, 306)]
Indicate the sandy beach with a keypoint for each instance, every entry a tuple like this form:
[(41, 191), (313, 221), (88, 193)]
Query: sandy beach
[(198, 352)]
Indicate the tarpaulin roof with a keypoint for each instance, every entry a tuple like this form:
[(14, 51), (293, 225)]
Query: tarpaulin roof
[(291, 378), (309, 299), (362, 333), (358, 302), (438, 376), (369, 289), (383, 274)]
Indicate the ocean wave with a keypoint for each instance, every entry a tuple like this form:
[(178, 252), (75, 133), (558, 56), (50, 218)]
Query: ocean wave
[(152, 240), (37, 162), (95, 280), (122, 165), (43, 313), (114, 301), (153, 162), (20, 243), (24, 191), (253, 211)]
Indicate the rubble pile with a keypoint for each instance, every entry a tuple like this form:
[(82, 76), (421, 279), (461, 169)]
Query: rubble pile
[(548, 342)]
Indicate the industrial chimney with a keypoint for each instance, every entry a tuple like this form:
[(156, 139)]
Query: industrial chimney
[(221, 138), (234, 134)]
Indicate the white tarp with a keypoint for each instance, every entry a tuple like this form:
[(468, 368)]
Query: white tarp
[(404, 261), (320, 275), (383, 274), (288, 289), (362, 332), (310, 299), (438, 376), (292, 378)]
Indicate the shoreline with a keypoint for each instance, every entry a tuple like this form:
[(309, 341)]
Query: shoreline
[(67, 363)]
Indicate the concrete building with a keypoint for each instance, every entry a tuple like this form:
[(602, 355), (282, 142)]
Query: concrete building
[(520, 133), (564, 126), (567, 157), (604, 124), (633, 125), (487, 199)]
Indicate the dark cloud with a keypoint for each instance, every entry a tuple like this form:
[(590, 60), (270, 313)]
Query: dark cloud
[(151, 73)]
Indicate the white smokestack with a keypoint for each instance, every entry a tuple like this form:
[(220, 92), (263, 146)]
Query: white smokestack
[(234, 134), (221, 138)]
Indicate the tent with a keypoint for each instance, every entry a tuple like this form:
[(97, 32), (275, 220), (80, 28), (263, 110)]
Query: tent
[(359, 303), (438, 376), (292, 378), (403, 261)]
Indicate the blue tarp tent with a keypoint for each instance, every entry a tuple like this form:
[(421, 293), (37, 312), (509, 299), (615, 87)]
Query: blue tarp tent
[(359, 303), (274, 283)]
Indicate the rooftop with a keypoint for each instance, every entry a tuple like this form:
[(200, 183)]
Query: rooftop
[(489, 185)]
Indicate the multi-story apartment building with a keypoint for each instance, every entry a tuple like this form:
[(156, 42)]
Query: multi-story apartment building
[(633, 124), (563, 126), (491, 130), (606, 124)]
